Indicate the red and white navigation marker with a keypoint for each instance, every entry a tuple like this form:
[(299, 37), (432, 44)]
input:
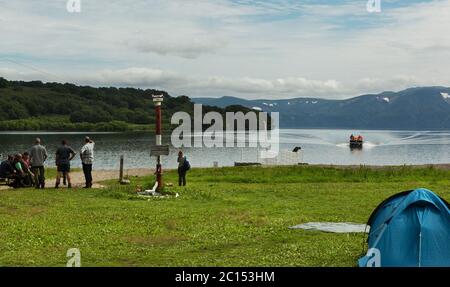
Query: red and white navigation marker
[(157, 100)]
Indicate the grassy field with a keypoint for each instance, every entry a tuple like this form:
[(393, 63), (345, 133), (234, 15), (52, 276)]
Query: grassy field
[(224, 217)]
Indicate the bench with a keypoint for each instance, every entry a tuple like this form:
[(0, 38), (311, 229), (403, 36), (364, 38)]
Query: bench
[(5, 181)]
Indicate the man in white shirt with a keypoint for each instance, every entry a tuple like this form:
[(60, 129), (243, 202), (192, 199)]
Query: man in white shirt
[(87, 159)]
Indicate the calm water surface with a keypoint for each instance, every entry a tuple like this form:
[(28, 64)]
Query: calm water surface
[(319, 147)]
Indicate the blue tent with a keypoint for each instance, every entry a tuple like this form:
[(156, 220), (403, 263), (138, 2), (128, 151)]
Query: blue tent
[(409, 229)]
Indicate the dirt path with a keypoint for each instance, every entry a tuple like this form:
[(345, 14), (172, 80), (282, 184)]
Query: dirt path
[(99, 176)]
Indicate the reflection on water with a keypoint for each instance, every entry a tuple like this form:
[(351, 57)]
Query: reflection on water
[(319, 147)]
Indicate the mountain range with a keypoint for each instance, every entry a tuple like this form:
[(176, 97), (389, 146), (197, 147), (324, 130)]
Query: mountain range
[(422, 108)]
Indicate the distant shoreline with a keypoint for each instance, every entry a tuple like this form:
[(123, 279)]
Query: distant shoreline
[(150, 128), (445, 166)]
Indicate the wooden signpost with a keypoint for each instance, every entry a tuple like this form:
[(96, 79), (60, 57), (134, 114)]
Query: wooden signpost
[(159, 150)]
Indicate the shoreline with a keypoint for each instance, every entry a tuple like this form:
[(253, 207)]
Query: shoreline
[(445, 166)]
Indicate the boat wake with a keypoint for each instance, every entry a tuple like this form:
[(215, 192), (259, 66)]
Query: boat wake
[(366, 144), (371, 145), (342, 145)]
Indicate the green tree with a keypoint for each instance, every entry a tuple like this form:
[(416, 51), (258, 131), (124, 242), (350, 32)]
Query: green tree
[(3, 83)]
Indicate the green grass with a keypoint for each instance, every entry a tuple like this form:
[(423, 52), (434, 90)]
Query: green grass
[(224, 217)]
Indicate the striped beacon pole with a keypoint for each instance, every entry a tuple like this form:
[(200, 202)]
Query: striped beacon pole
[(157, 100)]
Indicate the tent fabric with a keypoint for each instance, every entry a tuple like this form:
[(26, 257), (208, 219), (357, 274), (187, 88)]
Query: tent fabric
[(410, 229)]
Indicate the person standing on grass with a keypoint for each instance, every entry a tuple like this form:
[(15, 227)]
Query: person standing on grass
[(183, 167), (87, 159), (64, 154), (38, 156)]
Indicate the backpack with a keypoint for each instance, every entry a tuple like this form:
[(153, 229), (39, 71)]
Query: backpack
[(186, 165)]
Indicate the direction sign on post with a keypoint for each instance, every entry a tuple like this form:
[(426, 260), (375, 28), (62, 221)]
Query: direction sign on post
[(158, 150)]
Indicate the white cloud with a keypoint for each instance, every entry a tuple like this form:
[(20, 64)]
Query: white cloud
[(146, 78), (137, 77), (179, 84), (244, 48), (265, 88), (398, 82), (190, 48)]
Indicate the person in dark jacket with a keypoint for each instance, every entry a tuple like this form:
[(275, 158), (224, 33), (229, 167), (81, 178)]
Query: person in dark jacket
[(7, 168), (64, 154), (181, 169)]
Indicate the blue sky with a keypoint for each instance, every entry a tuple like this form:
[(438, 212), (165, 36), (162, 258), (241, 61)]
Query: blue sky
[(250, 49)]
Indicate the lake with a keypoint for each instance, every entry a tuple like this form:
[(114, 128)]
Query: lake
[(318, 147)]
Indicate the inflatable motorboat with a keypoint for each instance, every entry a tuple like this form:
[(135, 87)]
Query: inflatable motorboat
[(356, 142)]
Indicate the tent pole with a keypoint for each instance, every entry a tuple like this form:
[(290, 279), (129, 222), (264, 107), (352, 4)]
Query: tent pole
[(420, 248)]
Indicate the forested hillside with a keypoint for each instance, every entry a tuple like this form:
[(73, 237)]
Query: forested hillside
[(54, 106)]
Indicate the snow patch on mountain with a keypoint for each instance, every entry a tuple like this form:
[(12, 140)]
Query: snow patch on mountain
[(384, 99)]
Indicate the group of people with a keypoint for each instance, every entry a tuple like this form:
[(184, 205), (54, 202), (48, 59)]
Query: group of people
[(17, 169), (27, 169), (356, 138)]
